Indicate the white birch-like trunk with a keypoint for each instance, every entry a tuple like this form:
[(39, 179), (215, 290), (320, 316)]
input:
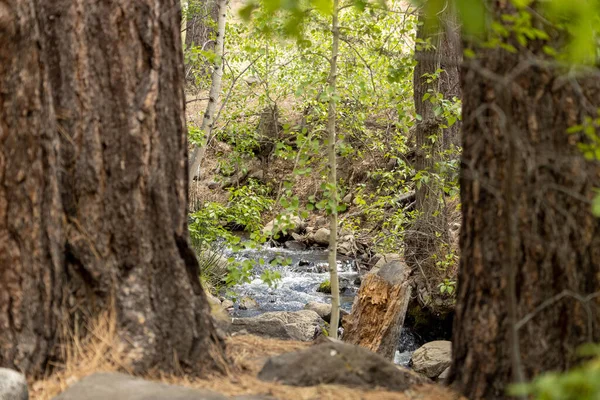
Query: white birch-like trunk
[(331, 81), (215, 88)]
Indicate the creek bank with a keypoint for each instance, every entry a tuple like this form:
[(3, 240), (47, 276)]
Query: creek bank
[(335, 362)]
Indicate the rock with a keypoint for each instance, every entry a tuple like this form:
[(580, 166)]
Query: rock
[(321, 236), (432, 358), (288, 223), (443, 377), (321, 221), (345, 245), (115, 386), (13, 385), (325, 287), (385, 259), (334, 362), (297, 237), (248, 303), (213, 185), (258, 175), (320, 308), (347, 198), (379, 309), (294, 245), (297, 325)]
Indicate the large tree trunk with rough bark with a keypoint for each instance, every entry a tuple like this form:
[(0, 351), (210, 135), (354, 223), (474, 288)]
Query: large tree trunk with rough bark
[(437, 47), (529, 279), (94, 184), (379, 309)]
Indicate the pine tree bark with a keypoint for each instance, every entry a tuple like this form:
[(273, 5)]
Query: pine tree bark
[(429, 235), (529, 280), (94, 198)]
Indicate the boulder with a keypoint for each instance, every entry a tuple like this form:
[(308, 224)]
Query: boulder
[(248, 303), (338, 363), (297, 325), (432, 358), (321, 236), (386, 259), (288, 223), (13, 385), (320, 308), (294, 245), (443, 377), (116, 386), (379, 309)]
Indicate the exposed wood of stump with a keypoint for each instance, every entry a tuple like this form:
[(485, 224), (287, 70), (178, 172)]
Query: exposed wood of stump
[(379, 310)]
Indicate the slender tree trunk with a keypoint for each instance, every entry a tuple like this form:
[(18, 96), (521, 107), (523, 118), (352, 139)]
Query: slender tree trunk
[(530, 248), (333, 220), (94, 197), (213, 97), (429, 234)]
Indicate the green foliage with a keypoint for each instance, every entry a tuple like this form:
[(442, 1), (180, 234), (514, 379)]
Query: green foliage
[(324, 287), (213, 221), (581, 383)]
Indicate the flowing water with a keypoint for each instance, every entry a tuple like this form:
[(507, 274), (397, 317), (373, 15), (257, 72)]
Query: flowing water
[(304, 271)]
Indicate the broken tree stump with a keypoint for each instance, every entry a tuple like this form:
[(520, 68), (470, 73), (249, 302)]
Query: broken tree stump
[(379, 309)]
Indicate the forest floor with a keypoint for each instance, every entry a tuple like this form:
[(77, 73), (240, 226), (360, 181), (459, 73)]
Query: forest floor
[(248, 354)]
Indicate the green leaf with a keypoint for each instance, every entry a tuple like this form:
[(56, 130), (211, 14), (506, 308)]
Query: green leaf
[(596, 204)]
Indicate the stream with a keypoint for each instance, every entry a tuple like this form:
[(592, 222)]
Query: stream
[(300, 278)]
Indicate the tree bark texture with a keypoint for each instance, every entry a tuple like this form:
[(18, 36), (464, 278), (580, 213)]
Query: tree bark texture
[(94, 186), (529, 279), (429, 234), (379, 309)]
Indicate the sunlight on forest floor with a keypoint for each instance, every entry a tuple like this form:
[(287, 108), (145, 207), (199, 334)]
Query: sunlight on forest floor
[(248, 353)]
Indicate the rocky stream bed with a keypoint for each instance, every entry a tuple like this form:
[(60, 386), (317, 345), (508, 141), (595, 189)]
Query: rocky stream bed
[(300, 279)]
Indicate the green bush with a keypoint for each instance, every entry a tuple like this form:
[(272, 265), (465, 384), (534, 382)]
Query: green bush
[(580, 383)]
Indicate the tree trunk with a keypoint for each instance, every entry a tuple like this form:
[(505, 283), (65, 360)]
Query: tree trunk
[(529, 243), (379, 309), (213, 96), (93, 199), (333, 192), (428, 239)]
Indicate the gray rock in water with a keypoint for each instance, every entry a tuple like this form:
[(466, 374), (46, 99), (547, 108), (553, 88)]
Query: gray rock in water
[(298, 325), (294, 245), (324, 310), (115, 386), (335, 362), (13, 385), (432, 358), (248, 303)]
